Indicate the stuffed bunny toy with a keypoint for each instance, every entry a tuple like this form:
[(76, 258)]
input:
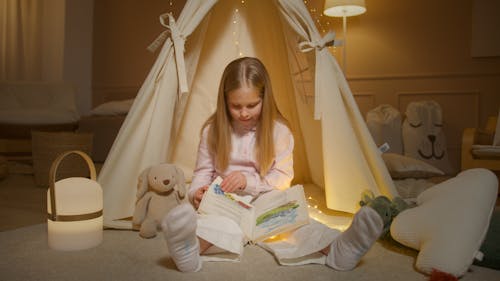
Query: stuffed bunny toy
[(160, 188)]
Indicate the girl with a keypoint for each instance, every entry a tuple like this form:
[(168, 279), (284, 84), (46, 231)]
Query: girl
[(248, 143)]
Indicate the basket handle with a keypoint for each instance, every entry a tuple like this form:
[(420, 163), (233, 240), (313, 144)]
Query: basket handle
[(52, 176)]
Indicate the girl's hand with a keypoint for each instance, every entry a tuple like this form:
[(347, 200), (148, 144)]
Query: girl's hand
[(198, 195), (235, 181)]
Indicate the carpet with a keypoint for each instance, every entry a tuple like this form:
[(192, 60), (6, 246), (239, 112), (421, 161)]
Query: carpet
[(123, 255)]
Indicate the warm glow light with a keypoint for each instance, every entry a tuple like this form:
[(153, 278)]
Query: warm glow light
[(75, 196), (336, 222), (236, 34), (333, 221), (344, 8), (74, 207), (75, 235)]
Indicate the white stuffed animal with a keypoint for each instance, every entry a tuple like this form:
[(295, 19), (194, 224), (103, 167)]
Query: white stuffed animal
[(423, 135), (160, 188)]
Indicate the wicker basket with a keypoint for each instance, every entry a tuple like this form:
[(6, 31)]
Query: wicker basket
[(46, 146)]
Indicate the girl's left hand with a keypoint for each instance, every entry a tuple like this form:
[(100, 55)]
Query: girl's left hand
[(233, 182)]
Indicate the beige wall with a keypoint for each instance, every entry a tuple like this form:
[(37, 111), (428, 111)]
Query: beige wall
[(66, 46), (78, 50), (123, 29), (52, 49), (401, 51), (398, 51)]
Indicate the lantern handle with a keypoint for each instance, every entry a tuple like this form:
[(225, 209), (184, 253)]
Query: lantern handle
[(52, 176)]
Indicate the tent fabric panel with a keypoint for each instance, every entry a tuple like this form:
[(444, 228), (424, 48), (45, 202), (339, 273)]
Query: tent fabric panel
[(145, 134)]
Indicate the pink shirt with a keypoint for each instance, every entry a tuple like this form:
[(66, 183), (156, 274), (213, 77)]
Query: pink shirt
[(242, 159)]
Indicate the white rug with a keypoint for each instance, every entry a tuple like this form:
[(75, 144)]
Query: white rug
[(123, 255)]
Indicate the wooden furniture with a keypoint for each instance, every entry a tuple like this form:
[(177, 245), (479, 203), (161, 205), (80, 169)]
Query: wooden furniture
[(475, 136)]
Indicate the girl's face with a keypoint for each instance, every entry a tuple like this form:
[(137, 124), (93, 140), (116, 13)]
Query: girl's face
[(245, 106)]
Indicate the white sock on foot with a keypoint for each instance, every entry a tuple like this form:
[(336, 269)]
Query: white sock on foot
[(350, 246), (179, 230)]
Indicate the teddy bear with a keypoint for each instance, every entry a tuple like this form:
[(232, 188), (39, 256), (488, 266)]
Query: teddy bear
[(160, 188)]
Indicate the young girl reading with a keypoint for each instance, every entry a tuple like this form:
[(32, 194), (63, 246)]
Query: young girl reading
[(248, 143)]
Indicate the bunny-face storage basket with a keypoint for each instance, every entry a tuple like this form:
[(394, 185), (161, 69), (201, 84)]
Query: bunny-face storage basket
[(74, 207)]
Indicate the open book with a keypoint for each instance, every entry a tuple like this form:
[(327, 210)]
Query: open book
[(270, 214)]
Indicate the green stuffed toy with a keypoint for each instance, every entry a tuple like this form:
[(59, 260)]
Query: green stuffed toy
[(386, 208)]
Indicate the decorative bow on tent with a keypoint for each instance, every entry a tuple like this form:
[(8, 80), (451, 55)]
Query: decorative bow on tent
[(327, 41), (318, 46), (178, 41)]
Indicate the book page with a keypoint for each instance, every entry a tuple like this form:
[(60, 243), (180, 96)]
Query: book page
[(217, 202), (271, 213), (279, 211)]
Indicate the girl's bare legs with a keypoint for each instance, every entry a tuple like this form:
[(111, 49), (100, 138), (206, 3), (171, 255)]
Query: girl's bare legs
[(204, 245)]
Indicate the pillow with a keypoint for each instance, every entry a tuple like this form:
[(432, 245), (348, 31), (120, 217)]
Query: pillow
[(423, 136), (384, 123), (486, 151), (401, 166), (450, 222), (113, 108), (410, 188)]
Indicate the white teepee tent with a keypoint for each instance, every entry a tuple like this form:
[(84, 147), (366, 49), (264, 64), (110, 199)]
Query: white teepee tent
[(180, 92)]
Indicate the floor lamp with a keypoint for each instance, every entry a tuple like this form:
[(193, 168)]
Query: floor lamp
[(344, 9)]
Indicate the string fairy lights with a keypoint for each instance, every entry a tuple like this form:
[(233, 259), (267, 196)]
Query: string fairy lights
[(329, 218), (236, 20), (322, 22)]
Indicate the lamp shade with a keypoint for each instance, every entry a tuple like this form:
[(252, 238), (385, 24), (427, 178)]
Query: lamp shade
[(344, 8), (74, 207)]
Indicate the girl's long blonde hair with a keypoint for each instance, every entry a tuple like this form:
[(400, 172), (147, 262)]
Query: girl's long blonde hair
[(244, 71)]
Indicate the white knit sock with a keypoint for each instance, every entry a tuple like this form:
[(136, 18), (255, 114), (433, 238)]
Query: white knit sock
[(350, 246), (179, 230)]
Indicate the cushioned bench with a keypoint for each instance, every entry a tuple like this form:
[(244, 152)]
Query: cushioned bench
[(478, 148), (27, 106)]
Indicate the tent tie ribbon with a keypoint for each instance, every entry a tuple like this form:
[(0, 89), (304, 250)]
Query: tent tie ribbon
[(327, 41), (178, 41)]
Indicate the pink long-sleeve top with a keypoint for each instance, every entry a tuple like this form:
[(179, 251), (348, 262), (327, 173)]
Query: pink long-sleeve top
[(242, 159)]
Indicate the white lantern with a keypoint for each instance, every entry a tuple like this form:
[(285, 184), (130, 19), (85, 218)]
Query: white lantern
[(74, 207)]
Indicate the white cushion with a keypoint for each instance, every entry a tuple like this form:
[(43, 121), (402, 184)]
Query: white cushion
[(113, 108), (35, 102), (401, 166), (490, 151), (384, 123), (450, 222)]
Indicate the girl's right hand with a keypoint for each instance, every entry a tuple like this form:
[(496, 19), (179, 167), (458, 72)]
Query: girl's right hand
[(198, 195)]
